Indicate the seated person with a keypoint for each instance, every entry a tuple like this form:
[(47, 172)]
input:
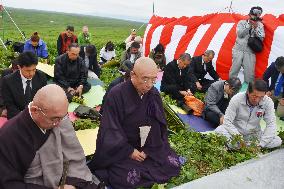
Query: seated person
[(136, 39), (200, 66), (70, 72), (177, 81), (244, 114), (132, 53), (35, 158), (89, 55), (19, 88), (217, 99), (158, 55), (14, 67), (65, 39), (275, 72), (37, 46), (125, 70), (107, 53), (132, 146)]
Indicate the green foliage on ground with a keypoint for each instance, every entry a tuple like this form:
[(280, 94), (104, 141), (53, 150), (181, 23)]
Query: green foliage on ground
[(82, 124)]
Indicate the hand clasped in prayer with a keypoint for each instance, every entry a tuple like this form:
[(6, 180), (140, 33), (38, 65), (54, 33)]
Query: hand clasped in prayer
[(138, 156)]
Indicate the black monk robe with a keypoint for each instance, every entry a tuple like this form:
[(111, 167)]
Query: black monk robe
[(124, 112)]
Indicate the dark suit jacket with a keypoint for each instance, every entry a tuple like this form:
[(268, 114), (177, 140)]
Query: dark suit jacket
[(198, 70), (93, 62), (13, 92), (173, 82), (4, 73), (273, 73)]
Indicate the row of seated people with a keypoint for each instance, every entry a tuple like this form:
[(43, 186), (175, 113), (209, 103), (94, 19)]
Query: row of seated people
[(122, 159)]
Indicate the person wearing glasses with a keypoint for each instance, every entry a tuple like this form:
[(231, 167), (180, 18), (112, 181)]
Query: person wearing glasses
[(217, 99), (19, 88), (243, 55), (35, 145), (243, 116), (132, 148), (177, 80), (200, 66)]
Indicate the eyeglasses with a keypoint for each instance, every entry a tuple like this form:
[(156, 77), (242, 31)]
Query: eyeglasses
[(54, 120), (147, 79)]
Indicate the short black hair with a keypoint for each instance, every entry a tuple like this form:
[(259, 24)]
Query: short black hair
[(159, 48), (75, 45), (185, 56), (135, 45), (234, 83), (91, 50), (71, 28), (279, 62), (27, 59), (258, 84)]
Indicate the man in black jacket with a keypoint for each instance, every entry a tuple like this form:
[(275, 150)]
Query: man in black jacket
[(70, 72), (275, 72), (177, 81), (200, 66), (19, 88)]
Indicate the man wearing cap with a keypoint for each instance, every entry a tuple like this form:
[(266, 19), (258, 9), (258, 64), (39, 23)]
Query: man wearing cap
[(217, 99), (243, 56), (125, 70)]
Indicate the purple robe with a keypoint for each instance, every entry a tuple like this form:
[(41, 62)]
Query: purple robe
[(124, 112)]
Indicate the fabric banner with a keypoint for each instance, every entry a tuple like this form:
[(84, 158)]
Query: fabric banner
[(216, 32)]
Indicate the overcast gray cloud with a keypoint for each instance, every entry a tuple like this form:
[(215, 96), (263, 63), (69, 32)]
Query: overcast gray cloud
[(142, 10)]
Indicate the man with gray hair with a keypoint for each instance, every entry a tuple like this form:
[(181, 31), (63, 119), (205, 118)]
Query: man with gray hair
[(243, 55), (177, 80), (200, 66), (217, 99)]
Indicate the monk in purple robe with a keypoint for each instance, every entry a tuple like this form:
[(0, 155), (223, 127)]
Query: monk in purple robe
[(132, 146)]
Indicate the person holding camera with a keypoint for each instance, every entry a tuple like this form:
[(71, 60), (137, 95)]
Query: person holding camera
[(243, 55)]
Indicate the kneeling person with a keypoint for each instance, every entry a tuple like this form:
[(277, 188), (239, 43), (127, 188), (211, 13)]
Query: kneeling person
[(245, 112), (132, 145), (217, 99)]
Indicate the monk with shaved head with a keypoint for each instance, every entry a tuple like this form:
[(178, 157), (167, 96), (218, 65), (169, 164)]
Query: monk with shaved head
[(35, 144), (132, 146)]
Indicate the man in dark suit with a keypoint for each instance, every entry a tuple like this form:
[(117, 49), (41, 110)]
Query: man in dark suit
[(200, 66), (89, 55), (177, 81), (276, 72), (19, 88)]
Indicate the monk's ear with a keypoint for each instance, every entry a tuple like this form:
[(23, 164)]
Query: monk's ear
[(34, 109)]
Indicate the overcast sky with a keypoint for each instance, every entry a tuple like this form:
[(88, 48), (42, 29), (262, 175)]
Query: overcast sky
[(141, 10)]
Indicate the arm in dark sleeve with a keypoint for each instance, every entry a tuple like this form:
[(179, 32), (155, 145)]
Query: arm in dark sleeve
[(95, 65), (59, 74), (212, 71), (169, 84), (59, 45), (112, 143), (267, 74), (9, 102), (191, 69), (83, 72)]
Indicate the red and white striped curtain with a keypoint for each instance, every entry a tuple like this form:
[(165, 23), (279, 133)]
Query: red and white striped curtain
[(216, 32)]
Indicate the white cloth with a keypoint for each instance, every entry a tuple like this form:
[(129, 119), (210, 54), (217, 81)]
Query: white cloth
[(107, 55), (92, 75), (241, 119)]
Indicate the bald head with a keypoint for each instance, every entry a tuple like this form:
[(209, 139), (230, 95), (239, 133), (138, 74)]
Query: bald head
[(144, 74), (145, 64), (50, 96)]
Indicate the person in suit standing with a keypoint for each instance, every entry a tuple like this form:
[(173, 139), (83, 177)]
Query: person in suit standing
[(19, 88), (200, 66), (275, 72)]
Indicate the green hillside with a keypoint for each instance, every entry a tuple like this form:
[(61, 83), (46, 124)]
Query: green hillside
[(50, 24)]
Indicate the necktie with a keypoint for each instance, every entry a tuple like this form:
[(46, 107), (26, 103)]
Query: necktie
[(28, 91), (279, 86)]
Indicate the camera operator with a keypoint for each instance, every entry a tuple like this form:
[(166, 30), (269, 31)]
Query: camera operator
[(243, 56)]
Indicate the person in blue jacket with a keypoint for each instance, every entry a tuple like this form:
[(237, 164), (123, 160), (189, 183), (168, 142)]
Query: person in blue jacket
[(36, 45)]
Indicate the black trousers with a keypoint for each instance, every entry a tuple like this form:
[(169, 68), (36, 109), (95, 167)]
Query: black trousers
[(213, 117)]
